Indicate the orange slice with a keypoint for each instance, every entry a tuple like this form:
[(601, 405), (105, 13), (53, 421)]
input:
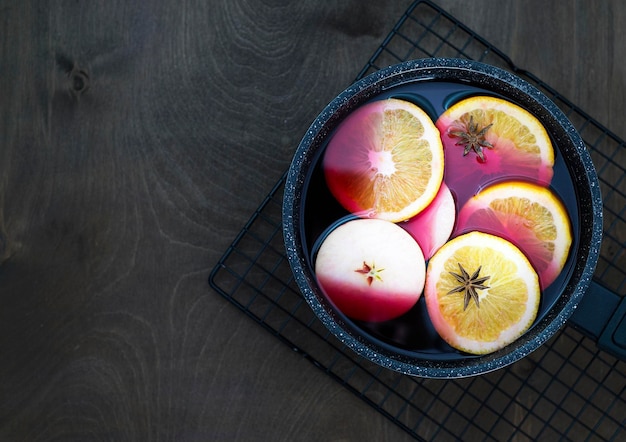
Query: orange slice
[(506, 288), (487, 139), (528, 215), (385, 161)]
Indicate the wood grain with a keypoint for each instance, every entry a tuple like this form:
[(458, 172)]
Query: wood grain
[(136, 139)]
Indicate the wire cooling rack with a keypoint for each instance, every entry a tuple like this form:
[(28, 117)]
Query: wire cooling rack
[(567, 389)]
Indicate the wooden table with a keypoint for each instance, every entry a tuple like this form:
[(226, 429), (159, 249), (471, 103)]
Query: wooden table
[(136, 140)]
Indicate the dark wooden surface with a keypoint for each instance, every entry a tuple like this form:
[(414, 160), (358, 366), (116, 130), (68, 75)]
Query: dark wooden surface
[(136, 138)]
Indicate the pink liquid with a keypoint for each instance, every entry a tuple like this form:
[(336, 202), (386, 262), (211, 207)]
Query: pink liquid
[(467, 175), (413, 332)]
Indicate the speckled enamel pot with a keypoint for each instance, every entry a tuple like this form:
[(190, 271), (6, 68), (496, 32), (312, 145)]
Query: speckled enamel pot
[(578, 163)]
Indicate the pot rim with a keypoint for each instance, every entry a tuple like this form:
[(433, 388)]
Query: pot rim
[(489, 78)]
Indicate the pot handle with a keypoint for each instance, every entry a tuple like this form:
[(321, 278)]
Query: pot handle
[(601, 315)]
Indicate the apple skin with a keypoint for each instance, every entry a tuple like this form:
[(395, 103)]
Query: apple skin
[(371, 269)]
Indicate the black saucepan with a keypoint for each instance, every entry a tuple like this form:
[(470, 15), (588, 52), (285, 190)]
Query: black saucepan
[(305, 217)]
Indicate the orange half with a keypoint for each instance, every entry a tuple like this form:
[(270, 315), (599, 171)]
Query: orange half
[(510, 143), (530, 216), (507, 305), (385, 161)]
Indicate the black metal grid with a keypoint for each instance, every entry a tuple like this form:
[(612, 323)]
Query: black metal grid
[(568, 389)]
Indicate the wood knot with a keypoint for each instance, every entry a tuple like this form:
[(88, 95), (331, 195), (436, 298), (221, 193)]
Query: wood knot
[(79, 80)]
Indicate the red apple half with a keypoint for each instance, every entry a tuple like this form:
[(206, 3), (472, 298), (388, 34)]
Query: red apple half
[(371, 269), (432, 227)]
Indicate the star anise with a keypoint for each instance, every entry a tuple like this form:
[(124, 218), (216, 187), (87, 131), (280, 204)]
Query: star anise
[(371, 272), (469, 285), (473, 138)]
